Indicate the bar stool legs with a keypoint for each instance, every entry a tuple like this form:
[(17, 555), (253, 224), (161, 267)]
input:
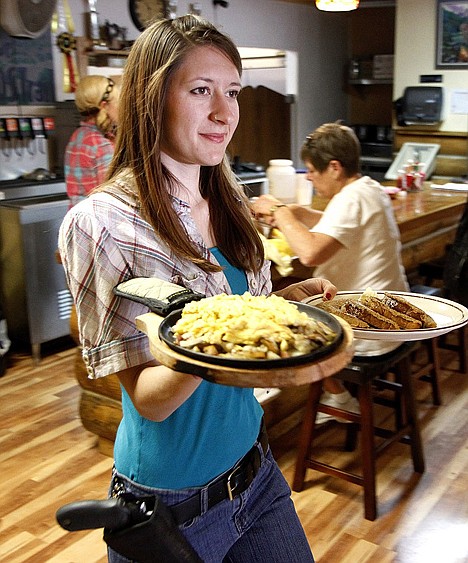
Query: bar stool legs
[(368, 452), (433, 352), (305, 436), (412, 418), (461, 347), (430, 372), (407, 430), (304, 454)]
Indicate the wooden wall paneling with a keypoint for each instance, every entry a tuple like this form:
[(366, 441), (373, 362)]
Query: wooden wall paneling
[(450, 142), (100, 414), (264, 130), (451, 166), (82, 45), (244, 143), (370, 104), (274, 125), (433, 247), (108, 386), (100, 401), (452, 158), (372, 31)]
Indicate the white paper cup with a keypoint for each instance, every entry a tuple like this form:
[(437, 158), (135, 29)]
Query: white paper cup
[(304, 190)]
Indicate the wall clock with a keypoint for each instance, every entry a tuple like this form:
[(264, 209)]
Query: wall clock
[(26, 18), (144, 12)]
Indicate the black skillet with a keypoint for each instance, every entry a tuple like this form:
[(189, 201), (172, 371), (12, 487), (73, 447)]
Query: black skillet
[(167, 336)]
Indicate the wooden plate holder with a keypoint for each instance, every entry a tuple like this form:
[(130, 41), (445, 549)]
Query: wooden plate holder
[(290, 376)]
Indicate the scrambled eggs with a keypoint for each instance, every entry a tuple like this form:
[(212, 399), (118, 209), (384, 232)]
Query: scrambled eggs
[(249, 327)]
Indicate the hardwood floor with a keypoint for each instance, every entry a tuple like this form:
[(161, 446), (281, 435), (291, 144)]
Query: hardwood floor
[(48, 459)]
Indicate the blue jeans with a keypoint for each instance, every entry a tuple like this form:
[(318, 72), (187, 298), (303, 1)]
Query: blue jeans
[(260, 525)]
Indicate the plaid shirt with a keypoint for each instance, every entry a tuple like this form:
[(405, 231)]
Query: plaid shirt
[(103, 241), (87, 158)]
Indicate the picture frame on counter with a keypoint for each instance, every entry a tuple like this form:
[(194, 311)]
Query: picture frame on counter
[(452, 34)]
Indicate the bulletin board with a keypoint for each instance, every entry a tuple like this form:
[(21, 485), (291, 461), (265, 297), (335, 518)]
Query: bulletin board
[(26, 70)]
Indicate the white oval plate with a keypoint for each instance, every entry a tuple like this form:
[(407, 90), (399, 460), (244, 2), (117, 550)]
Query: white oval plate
[(448, 315)]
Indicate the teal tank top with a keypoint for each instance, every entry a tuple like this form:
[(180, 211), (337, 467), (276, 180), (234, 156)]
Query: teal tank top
[(236, 278), (204, 437)]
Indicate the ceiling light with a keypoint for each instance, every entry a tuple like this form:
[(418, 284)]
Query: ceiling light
[(337, 5)]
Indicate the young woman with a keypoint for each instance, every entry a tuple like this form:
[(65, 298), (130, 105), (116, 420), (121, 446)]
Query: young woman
[(172, 210)]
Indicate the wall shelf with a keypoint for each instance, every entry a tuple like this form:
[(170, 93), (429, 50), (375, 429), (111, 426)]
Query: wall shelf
[(370, 98), (107, 53), (87, 56), (369, 81)]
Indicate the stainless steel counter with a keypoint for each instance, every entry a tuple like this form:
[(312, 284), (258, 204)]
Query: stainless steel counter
[(35, 297)]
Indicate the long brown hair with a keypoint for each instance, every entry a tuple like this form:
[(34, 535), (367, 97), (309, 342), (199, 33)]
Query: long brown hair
[(155, 56)]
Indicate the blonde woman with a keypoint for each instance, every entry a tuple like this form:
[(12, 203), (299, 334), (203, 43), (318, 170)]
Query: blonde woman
[(91, 147)]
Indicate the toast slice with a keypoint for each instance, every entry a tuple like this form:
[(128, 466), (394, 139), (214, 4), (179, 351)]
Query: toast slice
[(400, 304), (368, 315), (336, 309), (405, 322)]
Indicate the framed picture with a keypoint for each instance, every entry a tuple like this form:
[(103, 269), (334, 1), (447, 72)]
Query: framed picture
[(452, 34)]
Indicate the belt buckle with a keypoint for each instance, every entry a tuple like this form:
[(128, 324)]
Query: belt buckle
[(230, 489)]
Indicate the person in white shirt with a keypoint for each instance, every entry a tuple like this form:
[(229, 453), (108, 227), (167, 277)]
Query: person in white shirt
[(355, 242)]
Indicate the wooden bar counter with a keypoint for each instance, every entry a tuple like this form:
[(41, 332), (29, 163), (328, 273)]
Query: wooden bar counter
[(427, 221)]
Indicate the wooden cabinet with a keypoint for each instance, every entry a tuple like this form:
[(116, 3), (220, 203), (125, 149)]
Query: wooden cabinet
[(370, 101), (258, 137), (371, 32)]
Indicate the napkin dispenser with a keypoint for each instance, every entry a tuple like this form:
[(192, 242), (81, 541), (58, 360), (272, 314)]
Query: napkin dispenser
[(422, 105)]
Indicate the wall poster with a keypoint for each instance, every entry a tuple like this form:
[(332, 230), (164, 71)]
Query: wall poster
[(452, 34), (26, 70)]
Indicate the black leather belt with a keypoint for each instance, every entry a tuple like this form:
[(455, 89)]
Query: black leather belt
[(228, 485)]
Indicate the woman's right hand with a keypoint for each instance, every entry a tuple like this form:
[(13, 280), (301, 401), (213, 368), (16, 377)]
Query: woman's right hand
[(262, 205)]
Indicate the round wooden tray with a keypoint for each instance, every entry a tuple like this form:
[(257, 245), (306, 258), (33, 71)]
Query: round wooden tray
[(280, 377)]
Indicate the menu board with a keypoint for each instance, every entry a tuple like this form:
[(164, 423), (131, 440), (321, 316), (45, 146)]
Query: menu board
[(26, 70)]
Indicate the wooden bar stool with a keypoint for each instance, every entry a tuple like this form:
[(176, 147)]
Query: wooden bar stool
[(430, 371), (460, 347), (366, 373), (433, 271)]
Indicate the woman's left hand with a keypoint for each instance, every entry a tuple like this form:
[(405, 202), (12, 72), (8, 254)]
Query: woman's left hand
[(312, 286)]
